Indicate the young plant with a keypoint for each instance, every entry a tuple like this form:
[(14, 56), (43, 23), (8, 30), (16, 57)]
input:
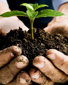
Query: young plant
[(32, 13)]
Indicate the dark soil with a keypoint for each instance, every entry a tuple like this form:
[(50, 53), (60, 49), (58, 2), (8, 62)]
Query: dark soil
[(42, 42)]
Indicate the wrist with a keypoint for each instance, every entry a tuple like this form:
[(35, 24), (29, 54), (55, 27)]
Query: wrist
[(63, 8)]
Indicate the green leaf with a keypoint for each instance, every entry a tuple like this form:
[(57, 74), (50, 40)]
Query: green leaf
[(27, 6), (14, 13), (33, 7), (42, 5), (32, 15), (36, 6), (49, 13)]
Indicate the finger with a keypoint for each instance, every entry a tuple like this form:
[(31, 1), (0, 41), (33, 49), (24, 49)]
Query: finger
[(58, 28), (48, 69), (59, 60), (7, 54), (39, 77), (22, 79), (8, 72), (22, 25), (47, 29), (52, 22), (51, 28)]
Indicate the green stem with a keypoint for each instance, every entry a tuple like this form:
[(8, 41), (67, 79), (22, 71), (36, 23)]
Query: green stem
[(31, 24)]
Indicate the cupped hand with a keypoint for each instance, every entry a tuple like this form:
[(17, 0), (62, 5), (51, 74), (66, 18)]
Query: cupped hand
[(10, 23), (58, 25), (52, 69), (11, 65)]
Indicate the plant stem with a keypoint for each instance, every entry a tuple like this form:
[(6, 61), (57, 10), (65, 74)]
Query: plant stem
[(31, 24)]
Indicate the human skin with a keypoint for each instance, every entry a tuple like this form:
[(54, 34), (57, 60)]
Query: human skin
[(6, 24), (59, 24), (54, 69), (11, 63), (9, 69)]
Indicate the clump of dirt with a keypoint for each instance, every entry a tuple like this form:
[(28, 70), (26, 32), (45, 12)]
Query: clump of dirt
[(32, 48), (42, 42)]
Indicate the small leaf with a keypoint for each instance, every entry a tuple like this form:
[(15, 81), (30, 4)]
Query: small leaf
[(27, 6), (42, 5), (36, 6), (14, 13), (32, 15), (49, 13)]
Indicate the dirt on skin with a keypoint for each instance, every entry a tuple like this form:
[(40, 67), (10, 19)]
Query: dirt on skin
[(42, 42)]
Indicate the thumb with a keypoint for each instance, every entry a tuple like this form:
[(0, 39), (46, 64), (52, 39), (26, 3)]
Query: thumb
[(57, 28), (23, 26), (47, 29)]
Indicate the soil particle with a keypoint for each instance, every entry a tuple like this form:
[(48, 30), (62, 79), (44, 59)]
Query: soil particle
[(32, 48), (42, 42)]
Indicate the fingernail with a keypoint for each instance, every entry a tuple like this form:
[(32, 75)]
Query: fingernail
[(12, 55), (22, 81), (23, 58), (51, 56), (18, 49), (40, 65), (36, 76), (19, 64)]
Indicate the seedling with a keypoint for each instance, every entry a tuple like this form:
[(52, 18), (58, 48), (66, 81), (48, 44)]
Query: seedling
[(32, 13)]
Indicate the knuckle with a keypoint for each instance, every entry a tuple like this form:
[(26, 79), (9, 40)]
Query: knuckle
[(6, 76), (11, 48), (59, 79)]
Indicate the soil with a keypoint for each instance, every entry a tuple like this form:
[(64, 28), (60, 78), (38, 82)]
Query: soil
[(42, 42)]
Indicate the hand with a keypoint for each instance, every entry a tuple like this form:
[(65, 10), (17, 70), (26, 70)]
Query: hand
[(58, 25), (10, 23), (54, 69), (11, 63), (50, 70)]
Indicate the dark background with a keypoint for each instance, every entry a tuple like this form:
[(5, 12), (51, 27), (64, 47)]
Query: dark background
[(15, 5)]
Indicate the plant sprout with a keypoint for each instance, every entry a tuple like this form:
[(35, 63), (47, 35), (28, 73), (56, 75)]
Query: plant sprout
[(32, 13)]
